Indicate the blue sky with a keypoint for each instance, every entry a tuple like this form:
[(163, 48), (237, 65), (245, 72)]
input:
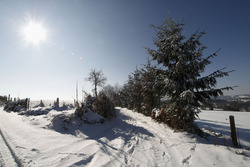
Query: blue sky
[(111, 35)]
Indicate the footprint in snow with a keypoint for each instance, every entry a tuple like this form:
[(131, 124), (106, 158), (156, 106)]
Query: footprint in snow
[(131, 149), (35, 150)]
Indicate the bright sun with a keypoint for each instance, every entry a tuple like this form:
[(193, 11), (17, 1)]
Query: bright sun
[(34, 32)]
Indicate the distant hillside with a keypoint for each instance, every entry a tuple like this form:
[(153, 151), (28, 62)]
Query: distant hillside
[(242, 97)]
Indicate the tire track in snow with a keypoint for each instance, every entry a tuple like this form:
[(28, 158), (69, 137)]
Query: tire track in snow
[(8, 156)]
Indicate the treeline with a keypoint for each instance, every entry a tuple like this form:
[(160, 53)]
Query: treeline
[(179, 63), (228, 105), (142, 92)]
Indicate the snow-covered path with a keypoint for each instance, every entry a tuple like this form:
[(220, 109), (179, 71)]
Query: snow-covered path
[(130, 139)]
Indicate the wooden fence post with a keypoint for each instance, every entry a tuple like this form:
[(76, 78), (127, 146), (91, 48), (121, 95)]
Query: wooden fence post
[(57, 102), (27, 103), (233, 131)]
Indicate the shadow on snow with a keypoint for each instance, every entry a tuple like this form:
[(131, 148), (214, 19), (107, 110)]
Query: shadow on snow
[(220, 133), (121, 127)]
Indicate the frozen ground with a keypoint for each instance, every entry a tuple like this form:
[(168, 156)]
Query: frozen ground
[(216, 123), (130, 139)]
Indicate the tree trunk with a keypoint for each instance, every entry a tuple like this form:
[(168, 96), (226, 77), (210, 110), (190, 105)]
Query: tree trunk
[(95, 90)]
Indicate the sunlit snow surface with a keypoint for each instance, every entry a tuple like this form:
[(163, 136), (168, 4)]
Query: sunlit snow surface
[(130, 139)]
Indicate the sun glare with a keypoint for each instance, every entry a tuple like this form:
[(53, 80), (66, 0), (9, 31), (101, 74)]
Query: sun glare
[(34, 32)]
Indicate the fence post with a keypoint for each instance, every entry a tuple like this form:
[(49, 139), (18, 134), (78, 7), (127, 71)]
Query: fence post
[(233, 131), (57, 102), (27, 103)]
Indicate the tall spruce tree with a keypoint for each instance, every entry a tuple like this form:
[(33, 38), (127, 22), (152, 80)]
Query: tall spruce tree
[(182, 64)]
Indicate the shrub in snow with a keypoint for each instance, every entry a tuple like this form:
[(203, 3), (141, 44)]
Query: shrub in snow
[(92, 117), (41, 104), (89, 100), (65, 122), (84, 107), (37, 111), (95, 110), (15, 106), (159, 115), (103, 106), (87, 115), (64, 107), (155, 113), (3, 100), (61, 121)]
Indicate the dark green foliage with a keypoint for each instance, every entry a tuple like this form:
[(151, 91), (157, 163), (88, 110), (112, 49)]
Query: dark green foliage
[(182, 64), (84, 107), (151, 89), (142, 92), (131, 94), (232, 105), (103, 106)]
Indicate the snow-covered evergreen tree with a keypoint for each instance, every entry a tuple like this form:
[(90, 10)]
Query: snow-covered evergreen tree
[(151, 88), (182, 64), (133, 91)]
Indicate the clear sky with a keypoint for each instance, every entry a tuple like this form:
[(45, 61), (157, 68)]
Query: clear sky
[(111, 35)]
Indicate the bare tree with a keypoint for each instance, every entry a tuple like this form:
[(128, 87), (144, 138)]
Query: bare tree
[(97, 78)]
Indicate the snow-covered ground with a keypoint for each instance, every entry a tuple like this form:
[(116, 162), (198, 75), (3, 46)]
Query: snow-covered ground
[(130, 139), (216, 123)]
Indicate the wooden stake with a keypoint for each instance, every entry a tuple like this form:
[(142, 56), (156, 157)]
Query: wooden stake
[(233, 131), (57, 102)]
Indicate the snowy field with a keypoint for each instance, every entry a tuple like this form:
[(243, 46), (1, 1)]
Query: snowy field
[(130, 139)]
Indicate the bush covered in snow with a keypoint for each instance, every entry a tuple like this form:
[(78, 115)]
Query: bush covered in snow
[(41, 104), (37, 111), (103, 106), (61, 121), (15, 106), (3, 100), (100, 105)]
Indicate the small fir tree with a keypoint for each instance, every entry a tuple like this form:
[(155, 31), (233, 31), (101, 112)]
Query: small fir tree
[(182, 64)]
